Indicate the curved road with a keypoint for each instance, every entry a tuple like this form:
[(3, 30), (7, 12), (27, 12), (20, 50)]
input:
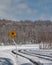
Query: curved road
[(43, 56), (9, 56), (37, 59)]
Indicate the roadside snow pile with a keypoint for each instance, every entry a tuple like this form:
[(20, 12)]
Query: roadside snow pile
[(28, 46), (7, 47), (23, 46)]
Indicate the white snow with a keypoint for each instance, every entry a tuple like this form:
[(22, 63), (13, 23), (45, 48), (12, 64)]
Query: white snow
[(24, 46), (5, 52), (38, 60)]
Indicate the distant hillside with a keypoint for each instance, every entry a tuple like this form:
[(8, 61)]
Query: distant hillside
[(27, 31)]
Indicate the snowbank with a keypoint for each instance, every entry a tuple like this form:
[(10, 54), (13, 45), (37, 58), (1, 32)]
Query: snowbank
[(25, 46)]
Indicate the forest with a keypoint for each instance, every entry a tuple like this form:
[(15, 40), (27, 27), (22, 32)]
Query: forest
[(27, 31)]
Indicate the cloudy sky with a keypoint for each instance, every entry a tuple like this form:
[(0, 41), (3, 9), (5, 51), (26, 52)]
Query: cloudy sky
[(26, 9)]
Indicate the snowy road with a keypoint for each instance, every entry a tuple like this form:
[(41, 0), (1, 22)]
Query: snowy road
[(36, 54), (38, 60), (8, 58), (26, 55)]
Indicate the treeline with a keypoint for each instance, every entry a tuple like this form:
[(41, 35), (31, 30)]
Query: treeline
[(27, 31)]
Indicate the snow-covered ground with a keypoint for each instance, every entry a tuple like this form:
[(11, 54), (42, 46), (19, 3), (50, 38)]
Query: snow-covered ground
[(40, 61), (8, 58), (24, 46)]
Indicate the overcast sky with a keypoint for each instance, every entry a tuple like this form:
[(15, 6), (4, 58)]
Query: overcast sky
[(26, 9)]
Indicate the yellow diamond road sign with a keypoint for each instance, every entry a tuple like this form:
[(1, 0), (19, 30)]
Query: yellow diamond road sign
[(12, 34)]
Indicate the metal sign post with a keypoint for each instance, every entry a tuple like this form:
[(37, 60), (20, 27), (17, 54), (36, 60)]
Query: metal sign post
[(15, 44)]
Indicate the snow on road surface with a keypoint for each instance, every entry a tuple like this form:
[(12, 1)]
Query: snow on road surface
[(8, 58), (15, 60), (5, 53), (39, 60)]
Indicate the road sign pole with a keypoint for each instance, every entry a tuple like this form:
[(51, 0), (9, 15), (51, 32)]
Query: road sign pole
[(15, 45), (12, 34)]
